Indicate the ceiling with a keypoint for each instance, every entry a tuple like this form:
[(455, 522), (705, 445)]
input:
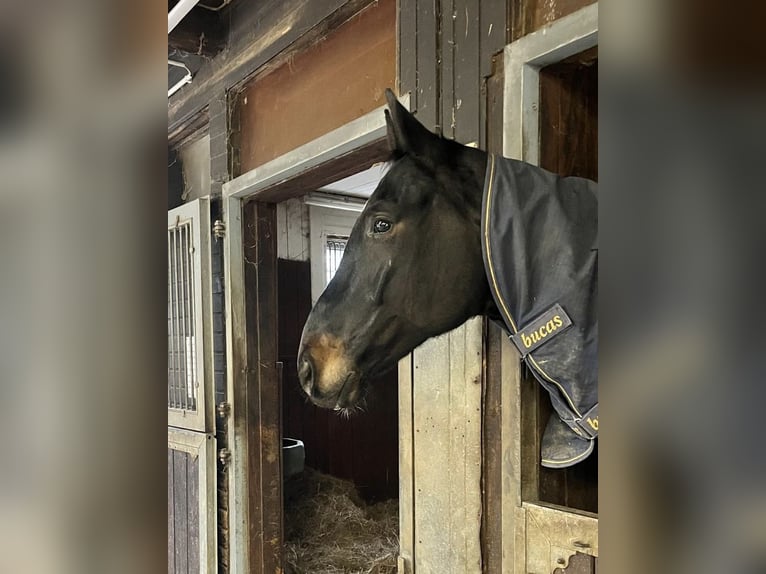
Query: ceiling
[(360, 184)]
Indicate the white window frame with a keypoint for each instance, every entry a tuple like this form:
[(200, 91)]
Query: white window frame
[(325, 222), (197, 212)]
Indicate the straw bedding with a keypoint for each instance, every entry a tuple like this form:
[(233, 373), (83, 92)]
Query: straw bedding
[(330, 530)]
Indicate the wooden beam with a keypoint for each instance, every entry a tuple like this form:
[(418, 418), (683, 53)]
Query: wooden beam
[(201, 32)]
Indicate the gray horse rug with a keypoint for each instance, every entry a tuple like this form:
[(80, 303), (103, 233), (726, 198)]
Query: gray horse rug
[(539, 234)]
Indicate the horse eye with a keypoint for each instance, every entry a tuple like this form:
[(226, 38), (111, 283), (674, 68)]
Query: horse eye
[(381, 226)]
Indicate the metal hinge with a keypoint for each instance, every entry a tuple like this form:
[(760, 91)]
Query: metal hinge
[(223, 409), (224, 455), (219, 229)]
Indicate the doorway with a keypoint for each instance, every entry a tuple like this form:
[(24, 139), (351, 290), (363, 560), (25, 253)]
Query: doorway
[(341, 508)]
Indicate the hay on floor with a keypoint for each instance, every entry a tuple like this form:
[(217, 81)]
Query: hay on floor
[(330, 530)]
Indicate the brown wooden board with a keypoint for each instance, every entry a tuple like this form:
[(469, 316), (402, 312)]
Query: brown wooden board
[(492, 455), (338, 79), (526, 16), (263, 389), (569, 119)]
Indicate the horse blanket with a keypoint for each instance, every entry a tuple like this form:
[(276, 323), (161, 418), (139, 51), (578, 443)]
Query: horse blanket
[(539, 234)]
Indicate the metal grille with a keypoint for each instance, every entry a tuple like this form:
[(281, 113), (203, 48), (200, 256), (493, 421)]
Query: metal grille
[(333, 253), (182, 356)]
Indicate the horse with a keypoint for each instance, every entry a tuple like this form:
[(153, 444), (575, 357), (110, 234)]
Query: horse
[(414, 266)]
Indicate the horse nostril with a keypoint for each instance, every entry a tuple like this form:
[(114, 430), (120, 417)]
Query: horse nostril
[(306, 374)]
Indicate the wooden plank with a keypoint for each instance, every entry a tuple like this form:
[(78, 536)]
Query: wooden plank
[(447, 451), (494, 123), (297, 230), (406, 466), (200, 32), (180, 513), (338, 79), (493, 32), (447, 49), (527, 16), (467, 71), (192, 513), (492, 459), (569, 105), (172, 542), (263, 389), (428, 111), (407, 49)]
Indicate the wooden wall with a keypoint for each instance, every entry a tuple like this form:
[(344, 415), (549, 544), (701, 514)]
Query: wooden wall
[(340, 78), (183, 513), (363, 448)]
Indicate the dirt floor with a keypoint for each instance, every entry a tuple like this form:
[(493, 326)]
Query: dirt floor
[(329, 529)]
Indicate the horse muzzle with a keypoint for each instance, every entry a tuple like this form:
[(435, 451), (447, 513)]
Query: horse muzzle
[(326, 373)]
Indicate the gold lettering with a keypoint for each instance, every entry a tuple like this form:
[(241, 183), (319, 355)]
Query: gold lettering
[(542, 332), (536, 337), (550, 326), (558, 321), (526, 340), (593, 423)]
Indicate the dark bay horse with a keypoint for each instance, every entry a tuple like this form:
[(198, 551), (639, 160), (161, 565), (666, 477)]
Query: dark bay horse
[(419, 263), (412, 268)]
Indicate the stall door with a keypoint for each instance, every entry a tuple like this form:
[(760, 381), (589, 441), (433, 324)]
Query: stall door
[(191, 442)]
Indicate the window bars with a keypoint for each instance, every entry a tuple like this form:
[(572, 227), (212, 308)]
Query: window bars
[(183, 378), (334, 248)]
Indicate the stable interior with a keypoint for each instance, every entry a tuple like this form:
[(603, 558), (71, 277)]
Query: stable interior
[(342, 510)]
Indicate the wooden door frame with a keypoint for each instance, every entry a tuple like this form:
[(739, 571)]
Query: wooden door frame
[(517, 520), (250, 259)]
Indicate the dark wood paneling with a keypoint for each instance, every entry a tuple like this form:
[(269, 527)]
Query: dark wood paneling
[(407, 21), (333, 82), (569, 119), (492, 453), (467, 71), (200, 32), (363, 448), (263, 389), (427, 54)]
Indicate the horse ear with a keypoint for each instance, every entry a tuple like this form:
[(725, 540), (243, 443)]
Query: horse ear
[(406, 135)]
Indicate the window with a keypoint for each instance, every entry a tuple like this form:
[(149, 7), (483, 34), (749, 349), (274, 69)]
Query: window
[(329, 232), (333, 252), (189, 365)]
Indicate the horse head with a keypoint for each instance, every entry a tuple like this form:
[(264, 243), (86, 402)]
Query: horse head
[(412, 267)]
